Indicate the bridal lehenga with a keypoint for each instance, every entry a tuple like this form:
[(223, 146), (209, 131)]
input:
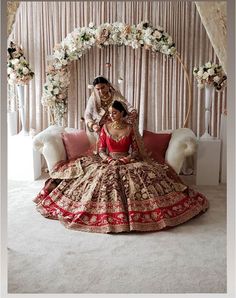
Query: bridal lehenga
[(143, 195)]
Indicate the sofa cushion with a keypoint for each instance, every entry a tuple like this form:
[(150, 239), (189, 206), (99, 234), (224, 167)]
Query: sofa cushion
[(156, 144), (76, 143)]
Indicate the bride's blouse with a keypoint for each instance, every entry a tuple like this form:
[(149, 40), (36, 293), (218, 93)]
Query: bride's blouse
[(112, 144)]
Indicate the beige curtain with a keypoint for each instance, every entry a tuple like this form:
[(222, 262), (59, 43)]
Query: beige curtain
[(213, 16), (11, 12), (153, 83)]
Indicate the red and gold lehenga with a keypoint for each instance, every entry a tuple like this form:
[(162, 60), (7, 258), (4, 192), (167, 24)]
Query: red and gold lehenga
[(91, 195)]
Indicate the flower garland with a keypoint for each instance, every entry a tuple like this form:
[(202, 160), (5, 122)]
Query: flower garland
[(82, 39), (18, 70), (210, 74)]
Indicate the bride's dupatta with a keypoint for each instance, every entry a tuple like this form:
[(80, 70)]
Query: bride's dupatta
[(144, 154)]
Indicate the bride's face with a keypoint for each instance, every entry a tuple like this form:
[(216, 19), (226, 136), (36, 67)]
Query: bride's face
[(102, 89), (115, 115)]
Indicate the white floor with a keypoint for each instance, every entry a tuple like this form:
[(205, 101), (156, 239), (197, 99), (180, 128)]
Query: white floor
[(45, 257)]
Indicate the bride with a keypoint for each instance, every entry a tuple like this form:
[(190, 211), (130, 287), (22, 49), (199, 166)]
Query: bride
[(119, 189)]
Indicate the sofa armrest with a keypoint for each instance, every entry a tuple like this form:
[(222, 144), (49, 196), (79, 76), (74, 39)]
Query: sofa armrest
[(50, 144), (183, 143)]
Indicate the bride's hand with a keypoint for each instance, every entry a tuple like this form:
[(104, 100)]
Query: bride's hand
[(124, 160)]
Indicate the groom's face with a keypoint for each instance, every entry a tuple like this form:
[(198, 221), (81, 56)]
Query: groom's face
[(102, 89)]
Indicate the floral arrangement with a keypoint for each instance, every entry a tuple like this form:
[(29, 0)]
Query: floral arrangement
[(18, 70), (55, 92), (82, 39), (210, 74)]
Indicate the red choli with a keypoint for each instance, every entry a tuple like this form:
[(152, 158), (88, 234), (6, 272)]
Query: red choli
[(122, 145)]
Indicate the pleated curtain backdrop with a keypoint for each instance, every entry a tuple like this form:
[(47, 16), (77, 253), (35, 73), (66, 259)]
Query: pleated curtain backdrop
[(153, 83)]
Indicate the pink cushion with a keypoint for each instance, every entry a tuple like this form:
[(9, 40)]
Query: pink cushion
[(157, 144), (76, 143)]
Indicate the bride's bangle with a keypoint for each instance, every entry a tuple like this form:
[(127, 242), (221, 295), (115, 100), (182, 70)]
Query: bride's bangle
[(109, 159), (125, 160)]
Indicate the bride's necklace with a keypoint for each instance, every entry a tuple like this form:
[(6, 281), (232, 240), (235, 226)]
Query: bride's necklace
[(118, 125)]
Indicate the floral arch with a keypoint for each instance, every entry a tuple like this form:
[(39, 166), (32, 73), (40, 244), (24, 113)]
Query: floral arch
[(76, 44)]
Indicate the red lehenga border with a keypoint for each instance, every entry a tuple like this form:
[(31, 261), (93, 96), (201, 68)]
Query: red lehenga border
[(132, 220)]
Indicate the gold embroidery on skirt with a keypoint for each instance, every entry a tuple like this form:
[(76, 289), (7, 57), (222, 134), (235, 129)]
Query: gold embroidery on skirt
[(74, 170), (117, 155)]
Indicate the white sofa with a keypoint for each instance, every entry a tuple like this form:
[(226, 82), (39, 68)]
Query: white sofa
[(183, 143)]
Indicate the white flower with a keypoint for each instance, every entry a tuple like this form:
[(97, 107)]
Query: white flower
[(211, 71), (56, 91), (17, 67), (172, 51), (15, 61), (13, 76), (25, 70), (50, 88), (115, 37), (169, 40), (148, 31), (57, 65), (135, 44), (208, 64), (200, 73), (205, 75), (164, 48), (157, 34), (147, 41), (216, 79), (9, 70), (56, 77), (64, 62), (61, 79)]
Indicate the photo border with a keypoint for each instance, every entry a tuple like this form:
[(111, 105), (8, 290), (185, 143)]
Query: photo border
[(231, 12)]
